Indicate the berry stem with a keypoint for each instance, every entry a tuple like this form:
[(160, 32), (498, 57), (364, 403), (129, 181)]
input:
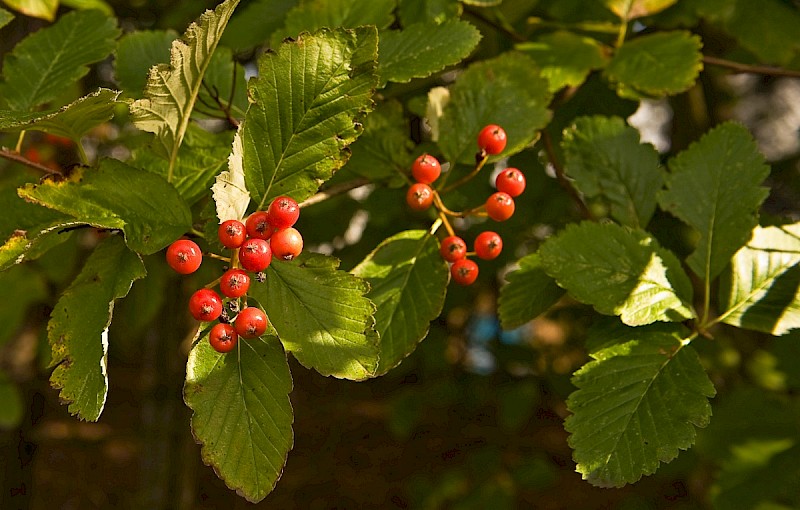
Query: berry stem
[(197, 233), (82, 153), (467, 177), (334, 191), (18, 148), (443, 219), (212, 284), (19, 158), (218, 257)]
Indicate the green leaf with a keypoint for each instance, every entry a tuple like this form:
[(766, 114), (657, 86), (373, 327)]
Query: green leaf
[(565, 58), (604, 157), (242, 413), (231, 197), (44, 9), (172, 89), (632, 9), (23, 286), (5, 17), (749, 22), (383, 151), (714, 186), (321, 315), (307, 104), (424, 48), (137, 52), (620, 272), (114, 195), (507, 90), (408, 281), (762, 289), (636, 406), (482, 3), (529, 293), (255, 22), (78, 328), (44, 63), (423, 11), (71, 121), (224, 81), (310, 16), (12, 408), (656, 65), (100, 5)]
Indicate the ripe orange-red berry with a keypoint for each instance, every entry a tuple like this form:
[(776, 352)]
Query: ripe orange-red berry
[(419, 196), (492, 139), (184, 256)]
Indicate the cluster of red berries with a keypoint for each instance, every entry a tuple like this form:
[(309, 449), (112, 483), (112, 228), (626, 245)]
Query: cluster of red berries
[(499, 206), (264, 235)]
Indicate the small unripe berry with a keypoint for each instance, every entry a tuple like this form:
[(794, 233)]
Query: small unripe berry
[(184, 256), (453, 248), (426, 169), (419, 196)]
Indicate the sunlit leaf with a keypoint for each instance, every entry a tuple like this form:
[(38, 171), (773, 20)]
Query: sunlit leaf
[(229, 190), (528, 294)]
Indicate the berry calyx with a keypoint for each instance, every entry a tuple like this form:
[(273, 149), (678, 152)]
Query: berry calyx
[(232, 233), (492, 139), (255, 255), (500, 206), (251, 322), (510, 181), (464, 271), (453, 248), (234, 283), (258, 225), (184, 256), (223, 337), (419, 196), (205, 305), (286, 244), (283, 212), (488, 245), (426, 169)]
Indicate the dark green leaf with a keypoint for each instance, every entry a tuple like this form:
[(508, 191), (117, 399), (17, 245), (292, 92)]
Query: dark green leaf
[(310, 16), (507, 90), (5, 17), (423, 11), (114, 195), (223, 82), (44, 63), (71, 121), (321, 315), (22, 286), (620, 272), (137, 52), (424, 48), (761, 291), (482, 3), (100, 5), (383, 151), (11, 405), (656, 65), (242, 413), (604, 157), (714, 186), (528, 294), (307, 105), (566, 58), (767, 28), (255, 22), (637, 405), (408, 281), (78, 328)]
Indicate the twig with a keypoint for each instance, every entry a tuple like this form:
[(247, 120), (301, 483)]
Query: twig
[(478, 166), (19, 158), (334, 190), (747, 68), (562, 178), (514, 36)]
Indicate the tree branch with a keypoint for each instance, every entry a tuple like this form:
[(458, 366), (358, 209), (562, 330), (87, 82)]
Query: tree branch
[(752, 69)]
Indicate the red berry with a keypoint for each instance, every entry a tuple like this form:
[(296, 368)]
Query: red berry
[(231, 233), (286, 244), (464, 271), (205, 305), (255, 255), (223, 337), (510, 181), (453, 248), (426, 169), (492, 139), (488, 245), (234, 283), (419, 196), (184, 256), (251, 322), (283, 212), (500, 206), (258, 225)]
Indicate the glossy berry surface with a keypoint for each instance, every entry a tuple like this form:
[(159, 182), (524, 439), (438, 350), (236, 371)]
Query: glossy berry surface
[(510, 181), (286, 244), (488, 245), (205, 305), (184, 256), (426, 169), (500, 206), (283, 212), (255, 255), (258, 225), (492, 139), (232, 233), (251, 322), (223, 338), (453, 248), (464, 271), (234, 283), (419, 196)]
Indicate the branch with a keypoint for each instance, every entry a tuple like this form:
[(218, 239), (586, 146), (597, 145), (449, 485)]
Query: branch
[(753, 69), (19, 158), (562, 178), (499, 26), (334, 190)]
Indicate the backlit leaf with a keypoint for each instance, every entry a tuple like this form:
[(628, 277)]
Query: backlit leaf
[(632, 9), (528, 294), (311, 15), (229, 189), (565, 58), (44, 9), (136, 53)]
